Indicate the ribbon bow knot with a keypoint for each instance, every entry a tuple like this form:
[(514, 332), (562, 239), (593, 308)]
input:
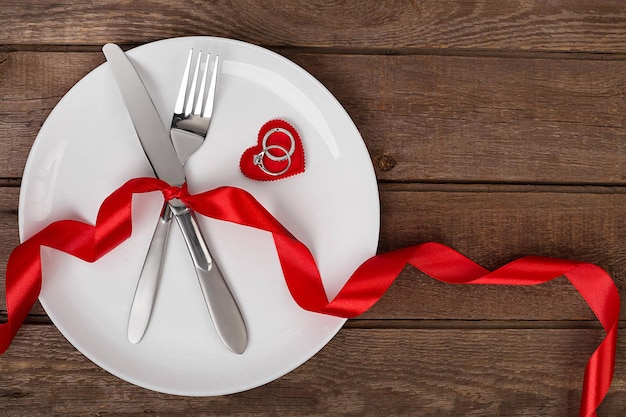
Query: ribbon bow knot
[(171, 192)]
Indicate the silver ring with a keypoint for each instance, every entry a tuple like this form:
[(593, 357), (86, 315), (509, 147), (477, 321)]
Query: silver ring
[(292, 146), (258, 160)]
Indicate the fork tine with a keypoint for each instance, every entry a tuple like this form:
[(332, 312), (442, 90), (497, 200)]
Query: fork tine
[(197, 109), (182, 91), (208, 109), (192, 89)]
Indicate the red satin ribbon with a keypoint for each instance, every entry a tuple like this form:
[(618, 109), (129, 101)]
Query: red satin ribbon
[(366, 286)]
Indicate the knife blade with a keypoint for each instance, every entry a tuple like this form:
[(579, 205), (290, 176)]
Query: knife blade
[(165, 162), (154, 138)]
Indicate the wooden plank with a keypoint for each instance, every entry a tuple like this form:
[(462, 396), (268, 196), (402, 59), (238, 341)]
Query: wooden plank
[(360, 372), (490, 226), (572, 26), (423, 118), (469, 119)]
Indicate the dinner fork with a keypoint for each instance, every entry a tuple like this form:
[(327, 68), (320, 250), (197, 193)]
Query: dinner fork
[(189, 127)]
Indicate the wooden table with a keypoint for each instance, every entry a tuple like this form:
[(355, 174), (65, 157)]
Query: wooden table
[(496, 128)]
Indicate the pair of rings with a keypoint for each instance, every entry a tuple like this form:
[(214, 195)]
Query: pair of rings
[(280, 153)]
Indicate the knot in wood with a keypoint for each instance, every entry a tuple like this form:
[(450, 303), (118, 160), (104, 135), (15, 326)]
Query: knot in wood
[(385, 163)]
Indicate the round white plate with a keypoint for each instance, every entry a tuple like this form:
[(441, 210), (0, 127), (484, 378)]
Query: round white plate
[(87, 148)]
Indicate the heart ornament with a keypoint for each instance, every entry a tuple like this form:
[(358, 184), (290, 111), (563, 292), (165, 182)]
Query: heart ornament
[(278, 153)]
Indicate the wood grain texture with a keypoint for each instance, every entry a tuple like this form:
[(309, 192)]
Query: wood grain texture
[(359, 373), (571, 26), (497, 128), (423, 118), (483, 120)]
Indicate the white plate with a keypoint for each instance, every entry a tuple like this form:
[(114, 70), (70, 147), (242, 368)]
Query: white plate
[(87, 148)]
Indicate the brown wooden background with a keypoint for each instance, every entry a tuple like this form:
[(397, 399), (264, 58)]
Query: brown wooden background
[(496, 127)]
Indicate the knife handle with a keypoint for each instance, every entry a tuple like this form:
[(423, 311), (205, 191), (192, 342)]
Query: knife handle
[(222, 306), (145, 293)]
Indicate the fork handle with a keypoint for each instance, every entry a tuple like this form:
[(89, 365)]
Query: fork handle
[(222, 306)]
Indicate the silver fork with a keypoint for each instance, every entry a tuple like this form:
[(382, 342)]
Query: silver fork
[(190, 124), (193, 111)]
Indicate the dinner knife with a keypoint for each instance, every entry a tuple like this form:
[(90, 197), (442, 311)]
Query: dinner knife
[(160, 151)]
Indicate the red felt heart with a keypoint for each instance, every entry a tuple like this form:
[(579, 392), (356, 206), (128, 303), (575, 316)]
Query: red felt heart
[(278, 153)]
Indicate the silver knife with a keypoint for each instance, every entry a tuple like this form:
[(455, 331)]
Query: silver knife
[(156, 143)]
